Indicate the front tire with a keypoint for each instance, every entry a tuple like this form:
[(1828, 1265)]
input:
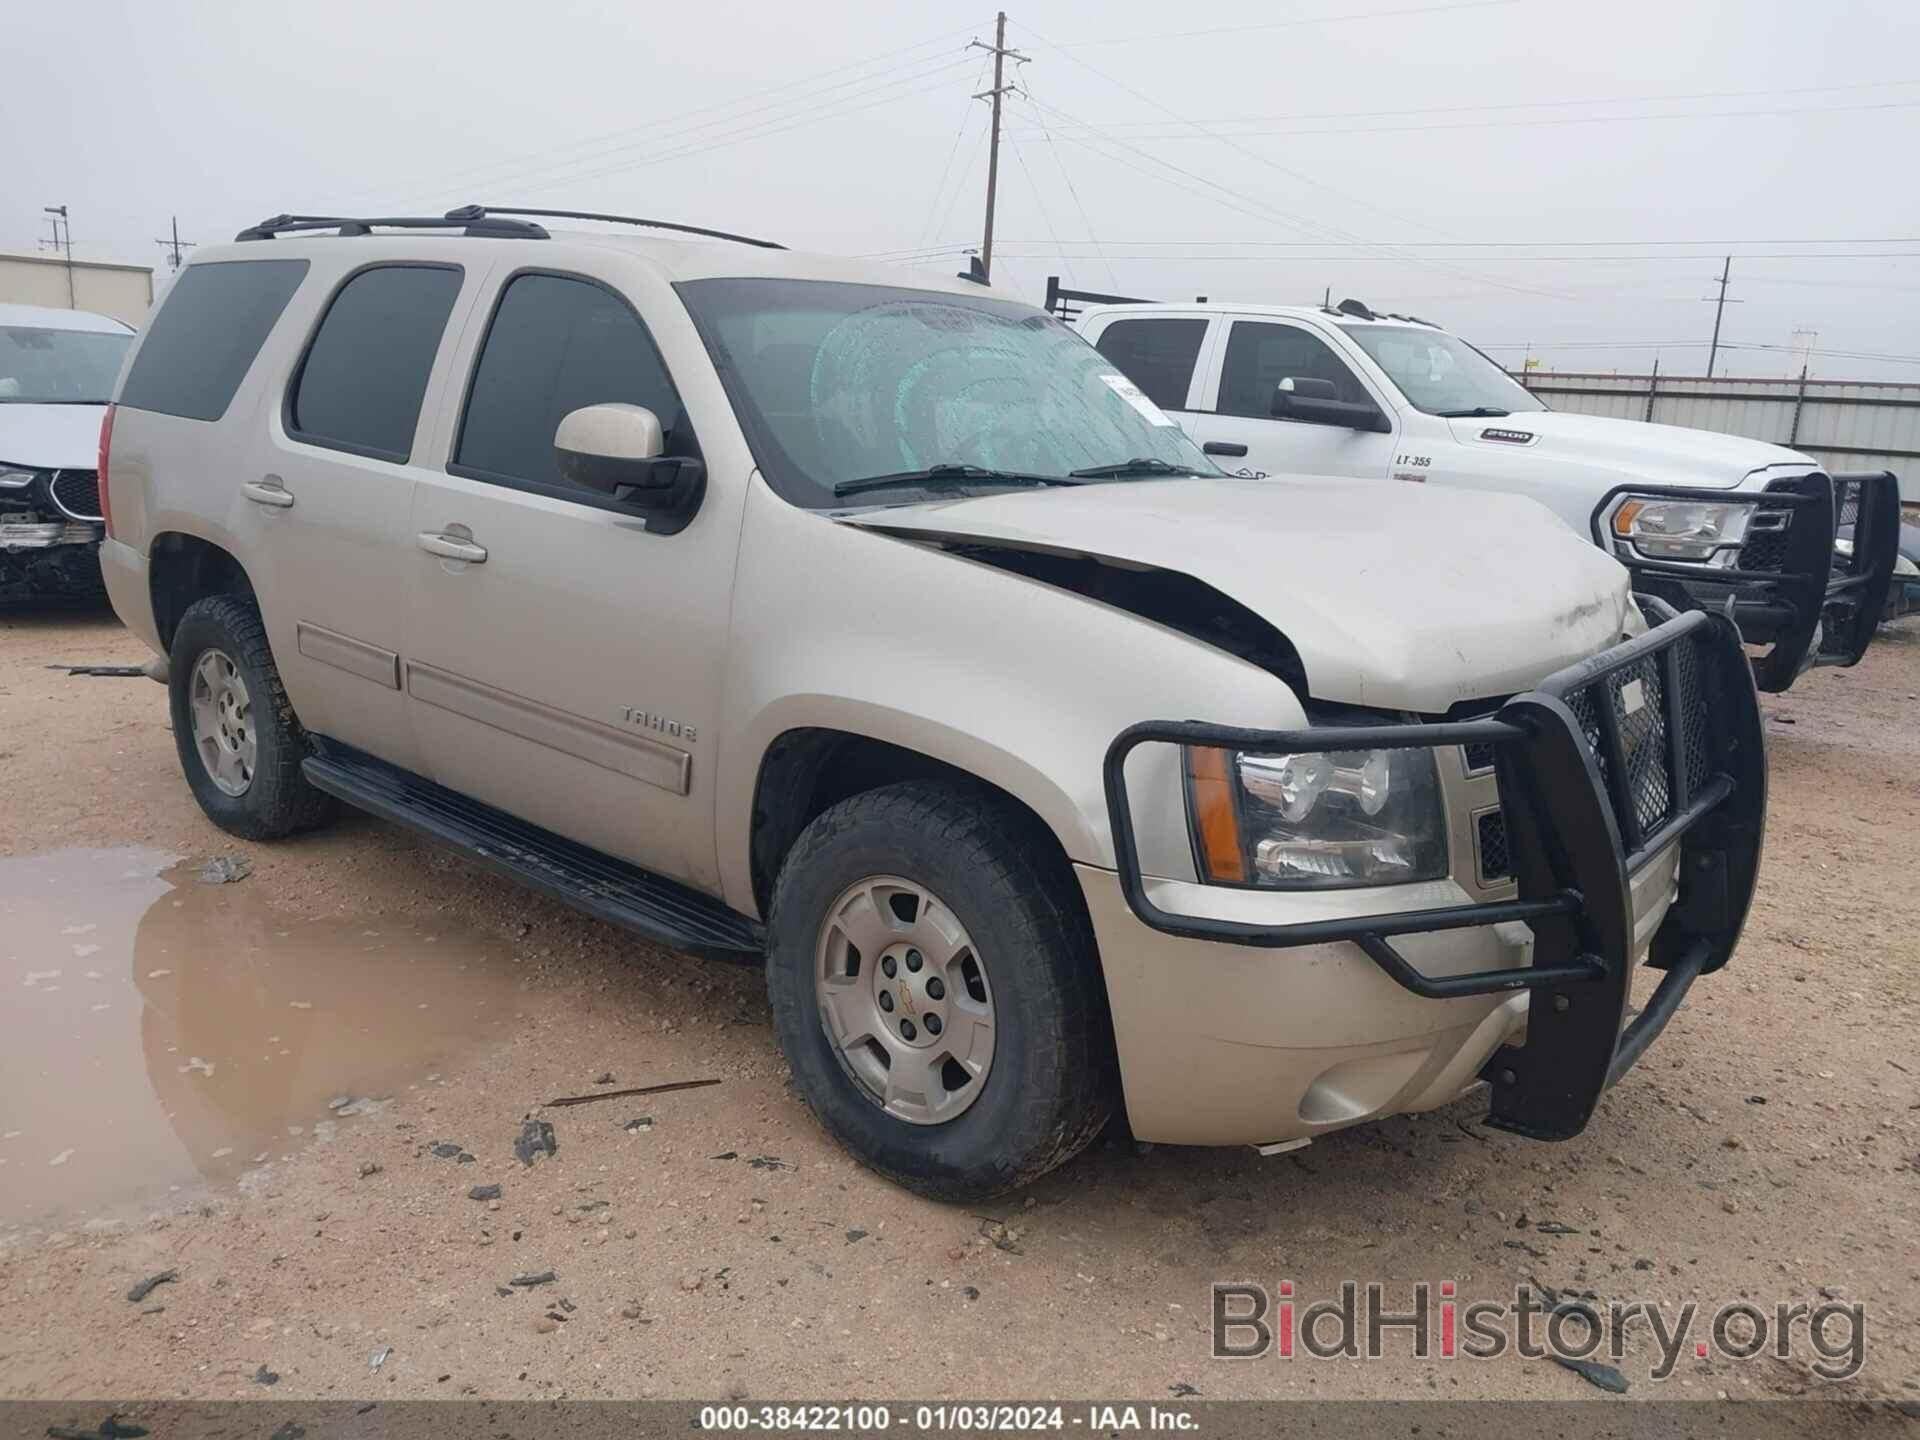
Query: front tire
[(936, 990), (240, 743)]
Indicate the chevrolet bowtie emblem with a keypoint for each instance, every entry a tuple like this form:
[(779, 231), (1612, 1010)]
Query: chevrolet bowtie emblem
[(906, 998)]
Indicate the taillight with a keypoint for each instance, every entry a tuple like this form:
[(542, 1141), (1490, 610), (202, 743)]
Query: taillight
[(106, 444)]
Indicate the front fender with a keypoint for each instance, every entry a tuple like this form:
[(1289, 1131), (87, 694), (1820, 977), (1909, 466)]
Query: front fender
[(1017, 682)]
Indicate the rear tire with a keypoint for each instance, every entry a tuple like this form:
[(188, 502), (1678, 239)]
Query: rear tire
[(240, 743), (1043, 1076)]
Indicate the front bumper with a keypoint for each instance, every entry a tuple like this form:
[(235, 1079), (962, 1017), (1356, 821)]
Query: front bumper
[(1632, 780), (1792, 591)]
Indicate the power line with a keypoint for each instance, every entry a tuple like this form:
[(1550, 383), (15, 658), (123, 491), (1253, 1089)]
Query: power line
[(1532, 104), (174, 246), (1508, 244), (1535, 122), (1290, 24), (925, 234), (813, 88), (1114, 250)]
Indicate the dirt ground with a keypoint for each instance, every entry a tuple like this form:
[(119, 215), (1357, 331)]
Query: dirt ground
[(258, 1112)]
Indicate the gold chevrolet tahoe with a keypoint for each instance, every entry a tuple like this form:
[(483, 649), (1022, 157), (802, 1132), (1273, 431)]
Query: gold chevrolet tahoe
[(779, 605)]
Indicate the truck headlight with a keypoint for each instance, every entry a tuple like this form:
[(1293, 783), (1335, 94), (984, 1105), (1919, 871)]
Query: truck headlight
[(12, 477), (1316, 820), (1679, 529), (1903, 566)]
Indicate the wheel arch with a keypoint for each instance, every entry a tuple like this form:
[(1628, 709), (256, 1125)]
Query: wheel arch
[(807, 770), (183, 568)]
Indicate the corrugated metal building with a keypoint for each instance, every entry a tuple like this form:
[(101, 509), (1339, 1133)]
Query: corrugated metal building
[(123, 291), (1844, 424)]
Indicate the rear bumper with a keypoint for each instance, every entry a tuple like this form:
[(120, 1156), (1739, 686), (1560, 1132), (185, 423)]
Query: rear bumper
[(125, 571), (1795, 592), (1635, 826)]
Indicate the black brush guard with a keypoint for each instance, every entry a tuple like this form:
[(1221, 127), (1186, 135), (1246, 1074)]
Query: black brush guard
[(1816, 606), (1594, 787)]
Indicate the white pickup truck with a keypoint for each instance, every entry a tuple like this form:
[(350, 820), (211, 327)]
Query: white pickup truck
[(1701, 519)]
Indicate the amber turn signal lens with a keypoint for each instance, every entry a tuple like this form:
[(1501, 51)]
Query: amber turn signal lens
[(1216, 821), (1623, 517)]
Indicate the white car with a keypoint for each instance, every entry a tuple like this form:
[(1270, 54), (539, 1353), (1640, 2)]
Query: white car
[(57, 370), (1700, 518)]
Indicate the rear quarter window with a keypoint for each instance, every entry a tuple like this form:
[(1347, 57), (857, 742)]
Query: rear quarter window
[(205, 335)]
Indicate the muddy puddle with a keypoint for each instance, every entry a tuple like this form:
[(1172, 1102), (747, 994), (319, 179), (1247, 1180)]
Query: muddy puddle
[(159, 1033)]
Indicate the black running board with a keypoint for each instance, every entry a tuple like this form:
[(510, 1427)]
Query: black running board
[(658, 909)]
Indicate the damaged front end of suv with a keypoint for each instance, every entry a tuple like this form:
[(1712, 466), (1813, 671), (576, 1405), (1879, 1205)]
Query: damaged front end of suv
[(50, 531)]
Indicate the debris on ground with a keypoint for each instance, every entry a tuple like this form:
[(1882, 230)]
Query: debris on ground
[(146, 1286), (370, 1167), (225, 870), (264, 1376), (111, 672), (379, 1358), (1593, 1372), (484, 1192), (726, 1155), (1180, 1390), (451, 1150), (855, 1235), (1001, 1234), (528, 1281), (605, 1077), (638, 1124), (771, 1162), (536, 1139), (1554, 1227), (666, 1089), (111, 1428)]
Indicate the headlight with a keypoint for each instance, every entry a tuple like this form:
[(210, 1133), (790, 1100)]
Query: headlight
[(1679, 529), (1316, 820), (1903, 566), (12, 477)]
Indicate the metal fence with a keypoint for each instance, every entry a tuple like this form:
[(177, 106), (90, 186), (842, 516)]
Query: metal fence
[(1846, 425)]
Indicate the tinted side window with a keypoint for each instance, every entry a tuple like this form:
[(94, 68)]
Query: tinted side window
[(555, 345), (1260, 356), (1157, 355), (365, 372), (205, 334)]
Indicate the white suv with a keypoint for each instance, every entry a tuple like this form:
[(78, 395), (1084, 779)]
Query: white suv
[(1701, 519), (57, 369), (765, 604)]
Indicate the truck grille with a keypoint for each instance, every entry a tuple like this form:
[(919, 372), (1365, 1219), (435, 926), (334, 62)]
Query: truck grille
[(1766, 544), (1659, 765), (77, 493)]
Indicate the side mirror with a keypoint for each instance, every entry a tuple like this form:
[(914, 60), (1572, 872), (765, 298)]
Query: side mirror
[(1313, 401), (614, 450)]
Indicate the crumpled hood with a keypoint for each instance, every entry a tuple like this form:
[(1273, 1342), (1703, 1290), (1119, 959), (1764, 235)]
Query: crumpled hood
[(1394, 596), (1656, 454), (50, 437)]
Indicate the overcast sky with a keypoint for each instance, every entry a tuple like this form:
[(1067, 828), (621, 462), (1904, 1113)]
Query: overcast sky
[(1463, 160)]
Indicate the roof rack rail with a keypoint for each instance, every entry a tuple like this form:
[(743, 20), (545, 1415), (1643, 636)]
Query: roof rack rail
[(479, 225), (481, 212), (484, 221)]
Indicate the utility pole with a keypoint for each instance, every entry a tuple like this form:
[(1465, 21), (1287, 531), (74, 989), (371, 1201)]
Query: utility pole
[(174, 246), (1000, 53), (59, 214), (1719, 309)]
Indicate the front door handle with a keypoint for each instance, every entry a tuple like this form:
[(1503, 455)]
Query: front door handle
[(451, 547), (268, 490), (1224, 447)]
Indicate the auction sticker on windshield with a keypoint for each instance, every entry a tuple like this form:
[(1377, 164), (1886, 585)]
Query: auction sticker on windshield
[(1137, 398)]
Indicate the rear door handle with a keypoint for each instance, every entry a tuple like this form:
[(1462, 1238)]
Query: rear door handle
[(268, 490), (449, 547), (1224, 447)]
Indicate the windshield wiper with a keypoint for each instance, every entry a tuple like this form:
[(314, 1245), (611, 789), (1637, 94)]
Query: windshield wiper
[(1478, 412), (940, 477), (1138, 466)]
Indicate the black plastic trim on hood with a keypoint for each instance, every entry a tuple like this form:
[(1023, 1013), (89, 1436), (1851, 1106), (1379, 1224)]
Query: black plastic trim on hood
[(1166, 597)]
